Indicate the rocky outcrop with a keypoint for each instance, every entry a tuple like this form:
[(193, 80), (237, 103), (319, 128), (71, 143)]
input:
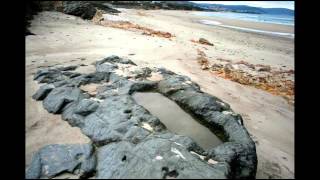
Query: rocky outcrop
[(153, 158), (77, 8), (32, 8), (87, 9), (132, 143), (53, 160)]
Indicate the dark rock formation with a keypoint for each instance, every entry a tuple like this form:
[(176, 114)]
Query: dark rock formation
[(102, 5), (204, 41), (87, 9), (131, 142), (53, 160), (115, 119), (154, 158), (77, 8), (32, 8)]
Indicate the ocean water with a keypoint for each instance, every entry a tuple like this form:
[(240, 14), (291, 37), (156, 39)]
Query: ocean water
[(265, 18)]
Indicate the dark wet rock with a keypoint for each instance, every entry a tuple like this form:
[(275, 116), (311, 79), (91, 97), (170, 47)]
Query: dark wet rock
[(77, 8), (241, 158), (132, 138), (142, 73), (185, 141), (98, 77), (70, 74), (142, 86), (51, 75), (61, 83), (115, 59), (32, 8), (43, 72), (76, 111), (174, 83), (204, 41), (67, 68), (86, 106), (55, 159), (61, 96), (114, 117), (43, 92), (226, 124), (152, 158), (105, 7), (121, 86), (106, 67), (197, 102)]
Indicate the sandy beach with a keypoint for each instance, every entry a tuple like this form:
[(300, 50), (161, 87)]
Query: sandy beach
[(68, 40)]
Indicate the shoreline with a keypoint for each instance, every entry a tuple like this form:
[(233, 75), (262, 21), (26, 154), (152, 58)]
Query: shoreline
[(202, 14), (264, 26), (271, 33)]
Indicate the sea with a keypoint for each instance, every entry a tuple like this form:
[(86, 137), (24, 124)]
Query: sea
[(264, 18)]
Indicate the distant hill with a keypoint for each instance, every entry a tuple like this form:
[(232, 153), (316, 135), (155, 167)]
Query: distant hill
[(187, 5), (246, 9)]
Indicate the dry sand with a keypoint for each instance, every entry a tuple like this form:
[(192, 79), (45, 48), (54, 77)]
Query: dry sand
[(68, 40)]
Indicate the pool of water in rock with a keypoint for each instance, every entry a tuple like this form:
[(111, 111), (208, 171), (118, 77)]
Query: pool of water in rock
[(176, 119)]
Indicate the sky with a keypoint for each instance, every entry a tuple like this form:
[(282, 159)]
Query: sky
[(264, 4)]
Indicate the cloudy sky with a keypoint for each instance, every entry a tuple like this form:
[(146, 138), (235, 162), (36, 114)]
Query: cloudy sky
[(264, 4)]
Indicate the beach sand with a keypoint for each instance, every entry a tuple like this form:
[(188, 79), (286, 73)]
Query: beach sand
[(68, 40)]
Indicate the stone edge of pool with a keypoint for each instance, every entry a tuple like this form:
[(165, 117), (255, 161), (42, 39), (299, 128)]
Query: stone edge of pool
[(119, 128)]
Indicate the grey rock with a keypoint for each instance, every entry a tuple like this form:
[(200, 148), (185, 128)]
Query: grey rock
[(128, 132), (82, 9), (105, 7), (69, 115), (59, 97), (174, 83), (48, 76), (115, 59), (113, 119), (96, 77), (142, 73), (142, 86), (43, 91), (55, 159), (197, 102), (61, 83), (152, 158), (70, 74), (67, 68), (106, 67), (241, 158), (86, 106)]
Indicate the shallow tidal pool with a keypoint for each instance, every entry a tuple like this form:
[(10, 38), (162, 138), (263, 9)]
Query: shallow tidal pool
[(176, 119)]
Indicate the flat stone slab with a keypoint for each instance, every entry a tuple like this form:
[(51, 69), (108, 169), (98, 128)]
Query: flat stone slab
[(55, 159), (129, 141)]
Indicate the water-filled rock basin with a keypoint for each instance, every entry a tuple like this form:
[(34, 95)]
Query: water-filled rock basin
[(176, 119)]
